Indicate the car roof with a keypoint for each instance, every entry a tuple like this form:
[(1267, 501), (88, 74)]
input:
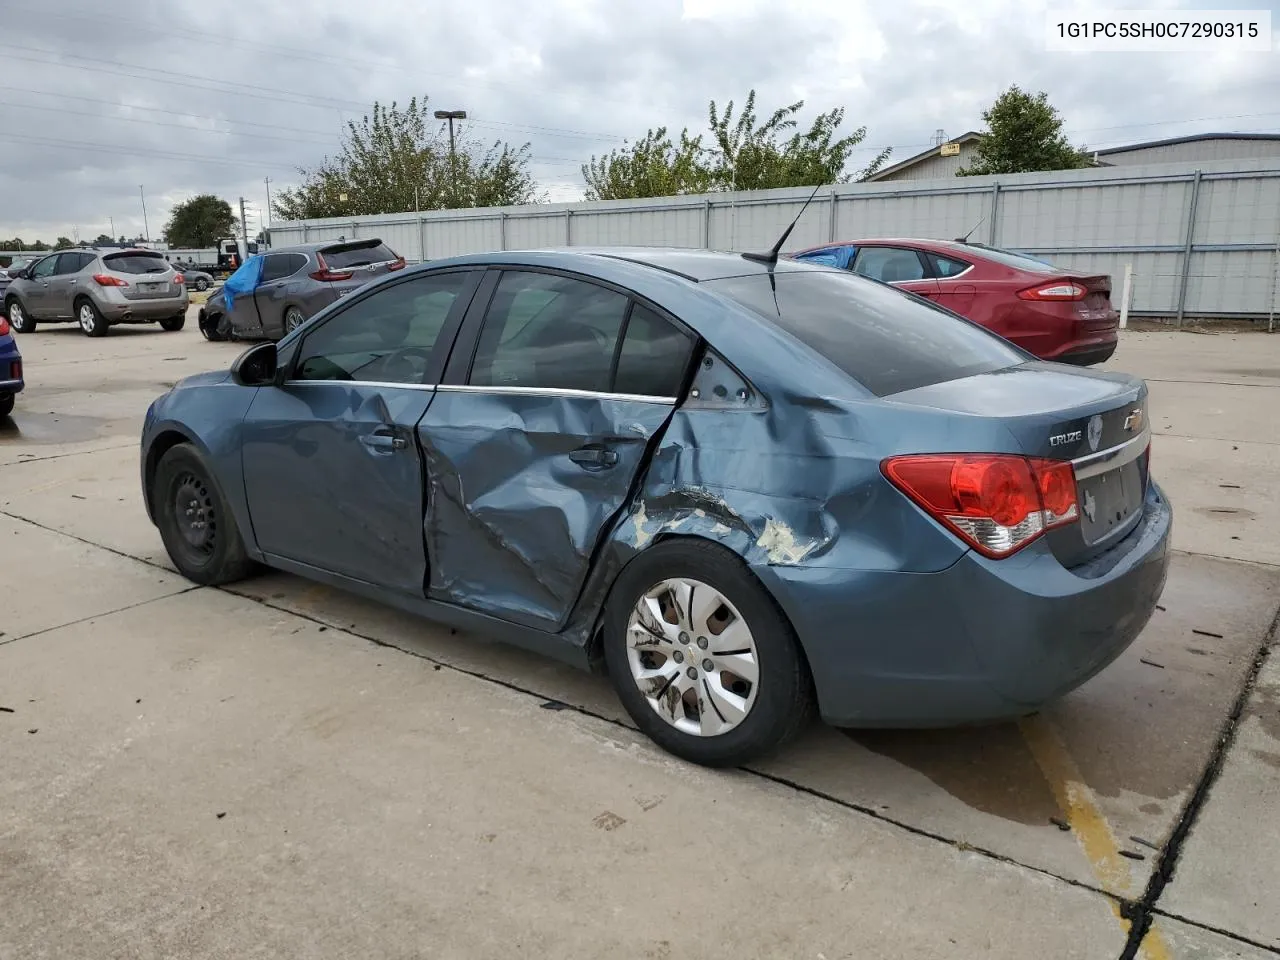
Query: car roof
[(692, 264), (313, 245), (924, 244)]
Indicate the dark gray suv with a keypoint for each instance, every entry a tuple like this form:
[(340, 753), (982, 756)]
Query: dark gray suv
[(296, 283), (97, 289)]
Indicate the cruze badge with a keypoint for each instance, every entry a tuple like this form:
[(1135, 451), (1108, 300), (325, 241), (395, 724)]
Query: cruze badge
[(1062, 439)]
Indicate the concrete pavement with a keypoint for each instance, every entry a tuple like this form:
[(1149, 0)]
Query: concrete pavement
[(440, 800)]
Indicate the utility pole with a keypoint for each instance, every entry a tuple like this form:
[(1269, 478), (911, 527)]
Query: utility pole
[(452, 115), (244, 229), (112, 221), (146, 230), (267, 181)]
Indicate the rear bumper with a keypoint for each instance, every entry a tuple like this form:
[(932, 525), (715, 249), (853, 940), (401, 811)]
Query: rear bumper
[(142, 311), (8, 356), (1086, 354), (980, 641)]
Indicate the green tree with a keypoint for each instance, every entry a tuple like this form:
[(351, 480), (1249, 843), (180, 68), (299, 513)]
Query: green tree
[(1023, 135), (653, 166), (199, 222), (744, 155), (397, 159), (62, 243), (103, 238)]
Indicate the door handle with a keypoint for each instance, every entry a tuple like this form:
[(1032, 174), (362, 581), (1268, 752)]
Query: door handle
[(594, 457), (384, 441)]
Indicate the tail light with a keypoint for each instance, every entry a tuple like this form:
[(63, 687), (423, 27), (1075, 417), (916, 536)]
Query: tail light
[(107, 280), (325, 275), (396, 264), (179, 279), (1057, 290), (4, 325), (996, 503), (15, 368)]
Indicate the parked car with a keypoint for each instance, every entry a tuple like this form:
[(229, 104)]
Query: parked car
[(194, 278), (97, 289), (745, 487), (11, 382), (16, 266), (293, 284), (1052, 312)]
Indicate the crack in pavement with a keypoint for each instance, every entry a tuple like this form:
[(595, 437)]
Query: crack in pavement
[(60, 456), (5, 641), (1201, 925), (1140, 913)]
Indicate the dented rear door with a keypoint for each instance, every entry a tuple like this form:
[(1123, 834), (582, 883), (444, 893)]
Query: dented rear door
[(560, 387)]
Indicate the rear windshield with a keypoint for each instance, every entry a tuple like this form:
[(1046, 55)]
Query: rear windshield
[(338, 257), (136, 262), (887, 340), (1016, 260)]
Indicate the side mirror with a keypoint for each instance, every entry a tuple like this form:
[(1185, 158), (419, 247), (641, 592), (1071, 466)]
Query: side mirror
[(256, 367)]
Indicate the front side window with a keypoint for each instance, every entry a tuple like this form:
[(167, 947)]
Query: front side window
[(45, 267), (388, 337), (543, 330), (888, 264)]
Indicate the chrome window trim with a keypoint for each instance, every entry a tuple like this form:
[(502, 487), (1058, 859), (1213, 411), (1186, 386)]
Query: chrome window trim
[(1111, 458), (362, 383), (954, 276), (555, 392)]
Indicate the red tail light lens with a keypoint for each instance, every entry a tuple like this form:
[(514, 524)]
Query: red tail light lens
[(179, 279), (106, 280), (397, 264), (4, 325), (325, 275), (996, 503), (1057, 290), (15, 368)]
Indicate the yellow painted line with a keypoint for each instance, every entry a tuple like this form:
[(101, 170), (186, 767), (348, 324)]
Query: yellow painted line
[(1088, 825)]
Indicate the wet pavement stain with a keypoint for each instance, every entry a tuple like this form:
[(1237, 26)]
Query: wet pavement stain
[(990, 769), (45, 428), (1226, 513)]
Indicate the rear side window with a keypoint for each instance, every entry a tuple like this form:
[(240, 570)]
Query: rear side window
[(946, 267), (543, 330), (344, 257), (277, 266), (653, 357), (1016, 260), (886, 340), (888, 264), (136, 263)]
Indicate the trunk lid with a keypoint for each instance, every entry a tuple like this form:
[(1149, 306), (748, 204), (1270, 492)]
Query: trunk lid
[(149, 275), (1096, 420), (1095, 312)]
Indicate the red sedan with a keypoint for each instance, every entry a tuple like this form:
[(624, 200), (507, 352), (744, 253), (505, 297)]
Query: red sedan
[(1054, 313)]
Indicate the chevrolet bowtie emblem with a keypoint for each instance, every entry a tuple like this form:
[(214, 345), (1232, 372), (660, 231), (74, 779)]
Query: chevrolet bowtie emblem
[(1133, 421)]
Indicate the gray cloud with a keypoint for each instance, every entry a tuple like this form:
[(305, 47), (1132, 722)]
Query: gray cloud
[(191, 98)]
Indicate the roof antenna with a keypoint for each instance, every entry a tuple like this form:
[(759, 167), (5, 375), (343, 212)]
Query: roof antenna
[(772, 256), (965, 238)]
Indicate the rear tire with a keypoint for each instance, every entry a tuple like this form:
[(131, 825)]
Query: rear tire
[(90, 319), (202, 285), (748, 700), (19, 319), (6, 404), (195, 522), (293, 319), (173, 324)]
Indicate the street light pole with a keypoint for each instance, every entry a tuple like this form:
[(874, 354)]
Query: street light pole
[(146, 230), (452, 115)]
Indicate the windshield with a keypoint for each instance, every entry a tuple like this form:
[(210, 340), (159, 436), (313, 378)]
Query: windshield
[(887, 340)]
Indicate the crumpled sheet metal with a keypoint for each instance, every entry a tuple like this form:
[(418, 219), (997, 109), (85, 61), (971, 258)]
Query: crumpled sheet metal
[(243, 282)]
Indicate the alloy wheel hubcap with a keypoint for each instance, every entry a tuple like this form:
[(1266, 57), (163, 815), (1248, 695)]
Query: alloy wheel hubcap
[(293, 320), (693, 657), (194, 515), (87, 319), (15, 315)]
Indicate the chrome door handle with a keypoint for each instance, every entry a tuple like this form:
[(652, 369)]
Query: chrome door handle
[(385, 441)]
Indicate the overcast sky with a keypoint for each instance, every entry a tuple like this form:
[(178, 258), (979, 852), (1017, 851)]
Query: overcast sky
[(213, 97)]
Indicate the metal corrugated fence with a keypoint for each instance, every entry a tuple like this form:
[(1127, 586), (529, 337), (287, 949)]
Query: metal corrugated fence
[(1203, 241)]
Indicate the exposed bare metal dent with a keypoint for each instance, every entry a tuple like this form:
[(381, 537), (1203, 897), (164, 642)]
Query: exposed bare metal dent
[(780, 545)]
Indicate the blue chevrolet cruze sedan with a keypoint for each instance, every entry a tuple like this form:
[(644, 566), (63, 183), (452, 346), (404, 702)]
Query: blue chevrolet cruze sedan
[(11, 381), (747, 488)]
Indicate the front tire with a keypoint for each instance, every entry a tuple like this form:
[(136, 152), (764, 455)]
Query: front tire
[(202, 285), (90, 319), (173, 324), (19, 319), (196, 524), (209, 326), (293, 319), (701, 656)]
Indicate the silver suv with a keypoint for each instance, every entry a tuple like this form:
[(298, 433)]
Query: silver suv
[(96, 289)]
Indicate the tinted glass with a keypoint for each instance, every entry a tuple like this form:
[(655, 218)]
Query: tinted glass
[(543, 330), (1016, 260), (387, 337), (945, 266), (277, 266), (654, 356), (888, 264), (45, 267), (83, 260), (342, 257), (886, 340), (136, 263)]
